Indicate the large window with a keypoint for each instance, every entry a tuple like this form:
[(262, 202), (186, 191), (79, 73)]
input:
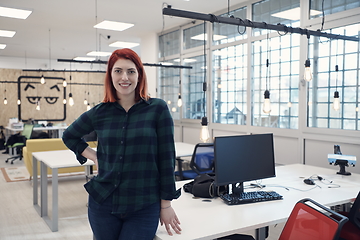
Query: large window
[(276, 12), (331, 6), (169, 44), (280, 77), (170, 87), (238, 75), (194, 105), (327, 54), (230, 85), (225, 33), (194, 36)]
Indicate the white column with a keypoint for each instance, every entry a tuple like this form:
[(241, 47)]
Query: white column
[(149, 53)]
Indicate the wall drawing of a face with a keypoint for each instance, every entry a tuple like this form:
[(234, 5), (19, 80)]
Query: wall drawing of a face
[(48, 96)]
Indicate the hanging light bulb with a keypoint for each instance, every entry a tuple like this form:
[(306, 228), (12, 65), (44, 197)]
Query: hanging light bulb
[(88, 107), (5, 100), (307, 73), (289, 104), (64, 83), (71, 100), (179, 103), (336, 103), (85, 101), (64, 101), (37, 106), (18, 102), (204, 132), (266, 104), (42, 79)]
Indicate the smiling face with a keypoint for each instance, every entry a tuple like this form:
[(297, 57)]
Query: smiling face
[(47, 96), (124, 78)]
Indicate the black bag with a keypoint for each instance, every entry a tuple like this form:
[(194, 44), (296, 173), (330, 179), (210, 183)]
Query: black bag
[(204, 186)]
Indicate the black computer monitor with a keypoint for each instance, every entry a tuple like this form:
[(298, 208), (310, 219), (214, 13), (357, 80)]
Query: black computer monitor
[(243, 158)]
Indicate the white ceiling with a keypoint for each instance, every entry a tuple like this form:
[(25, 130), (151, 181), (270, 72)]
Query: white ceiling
[(63, 29)]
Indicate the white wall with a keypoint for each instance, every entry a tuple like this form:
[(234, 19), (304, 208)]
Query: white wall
[(149, 53)]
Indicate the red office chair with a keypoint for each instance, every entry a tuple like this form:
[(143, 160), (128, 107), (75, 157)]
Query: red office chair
[(308, 220), (351, 229), (312, 222)]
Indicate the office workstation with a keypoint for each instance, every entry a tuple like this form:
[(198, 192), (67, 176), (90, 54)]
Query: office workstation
[(231, 60), (260, 194)]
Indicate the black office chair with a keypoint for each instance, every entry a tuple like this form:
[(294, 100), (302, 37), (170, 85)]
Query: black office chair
[(20, 143), (202, 161), (351, 229)]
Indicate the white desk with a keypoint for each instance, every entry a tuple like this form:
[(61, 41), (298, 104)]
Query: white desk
[(53, 160), (63, 159), (56, 131), (210, 220), (184, 149)]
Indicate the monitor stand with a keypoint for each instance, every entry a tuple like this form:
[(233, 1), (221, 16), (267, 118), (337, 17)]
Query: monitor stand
[(238, 190), (342, 164)]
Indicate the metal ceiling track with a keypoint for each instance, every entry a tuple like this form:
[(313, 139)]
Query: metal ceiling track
[(145, 64), (247, 23)]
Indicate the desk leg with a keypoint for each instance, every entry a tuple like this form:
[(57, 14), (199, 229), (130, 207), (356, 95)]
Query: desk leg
[(53, 221), (43, 190), (260, 233), (35, 186), (55, 198)]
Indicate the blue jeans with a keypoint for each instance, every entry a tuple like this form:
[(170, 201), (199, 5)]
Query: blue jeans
[(139, 225)]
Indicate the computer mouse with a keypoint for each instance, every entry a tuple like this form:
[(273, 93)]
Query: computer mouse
[(309, 181)]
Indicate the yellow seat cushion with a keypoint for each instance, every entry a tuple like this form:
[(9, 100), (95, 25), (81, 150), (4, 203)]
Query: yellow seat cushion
[(48, 144)]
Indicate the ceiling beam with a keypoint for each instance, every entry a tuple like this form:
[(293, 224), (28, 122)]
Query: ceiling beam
[(247, 23)]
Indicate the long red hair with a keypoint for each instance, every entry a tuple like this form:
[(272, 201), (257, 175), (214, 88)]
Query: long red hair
[(141, 90)]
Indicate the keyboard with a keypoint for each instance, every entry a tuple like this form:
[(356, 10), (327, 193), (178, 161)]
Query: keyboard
[(250, 197)]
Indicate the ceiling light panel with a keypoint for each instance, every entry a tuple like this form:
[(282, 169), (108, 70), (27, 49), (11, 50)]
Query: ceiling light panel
[(2, 46), (201, 37), (6, 33), (84, 59), (293, 14), (99, 54), (120, 44), (14, 13), (115, 26)]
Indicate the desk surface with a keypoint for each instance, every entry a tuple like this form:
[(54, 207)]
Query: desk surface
[(209, 220), (66, 158), (38, 128), (59, 159)]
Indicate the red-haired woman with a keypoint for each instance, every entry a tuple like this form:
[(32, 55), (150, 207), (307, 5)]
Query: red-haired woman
[(135, 155)]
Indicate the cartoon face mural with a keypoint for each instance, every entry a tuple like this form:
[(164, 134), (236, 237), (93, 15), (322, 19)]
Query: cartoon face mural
[(41, 101)]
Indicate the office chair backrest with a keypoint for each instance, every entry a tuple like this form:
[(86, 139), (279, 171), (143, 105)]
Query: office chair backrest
[(310, 220), (354, 214), (202, 159), (27, 130)]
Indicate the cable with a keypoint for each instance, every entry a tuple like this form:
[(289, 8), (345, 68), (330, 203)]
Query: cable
[(329, 183), (285, 29), (323, 15), (241, 33)]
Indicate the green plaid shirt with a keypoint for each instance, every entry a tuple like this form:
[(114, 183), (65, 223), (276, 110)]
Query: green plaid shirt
[(136, 153)]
